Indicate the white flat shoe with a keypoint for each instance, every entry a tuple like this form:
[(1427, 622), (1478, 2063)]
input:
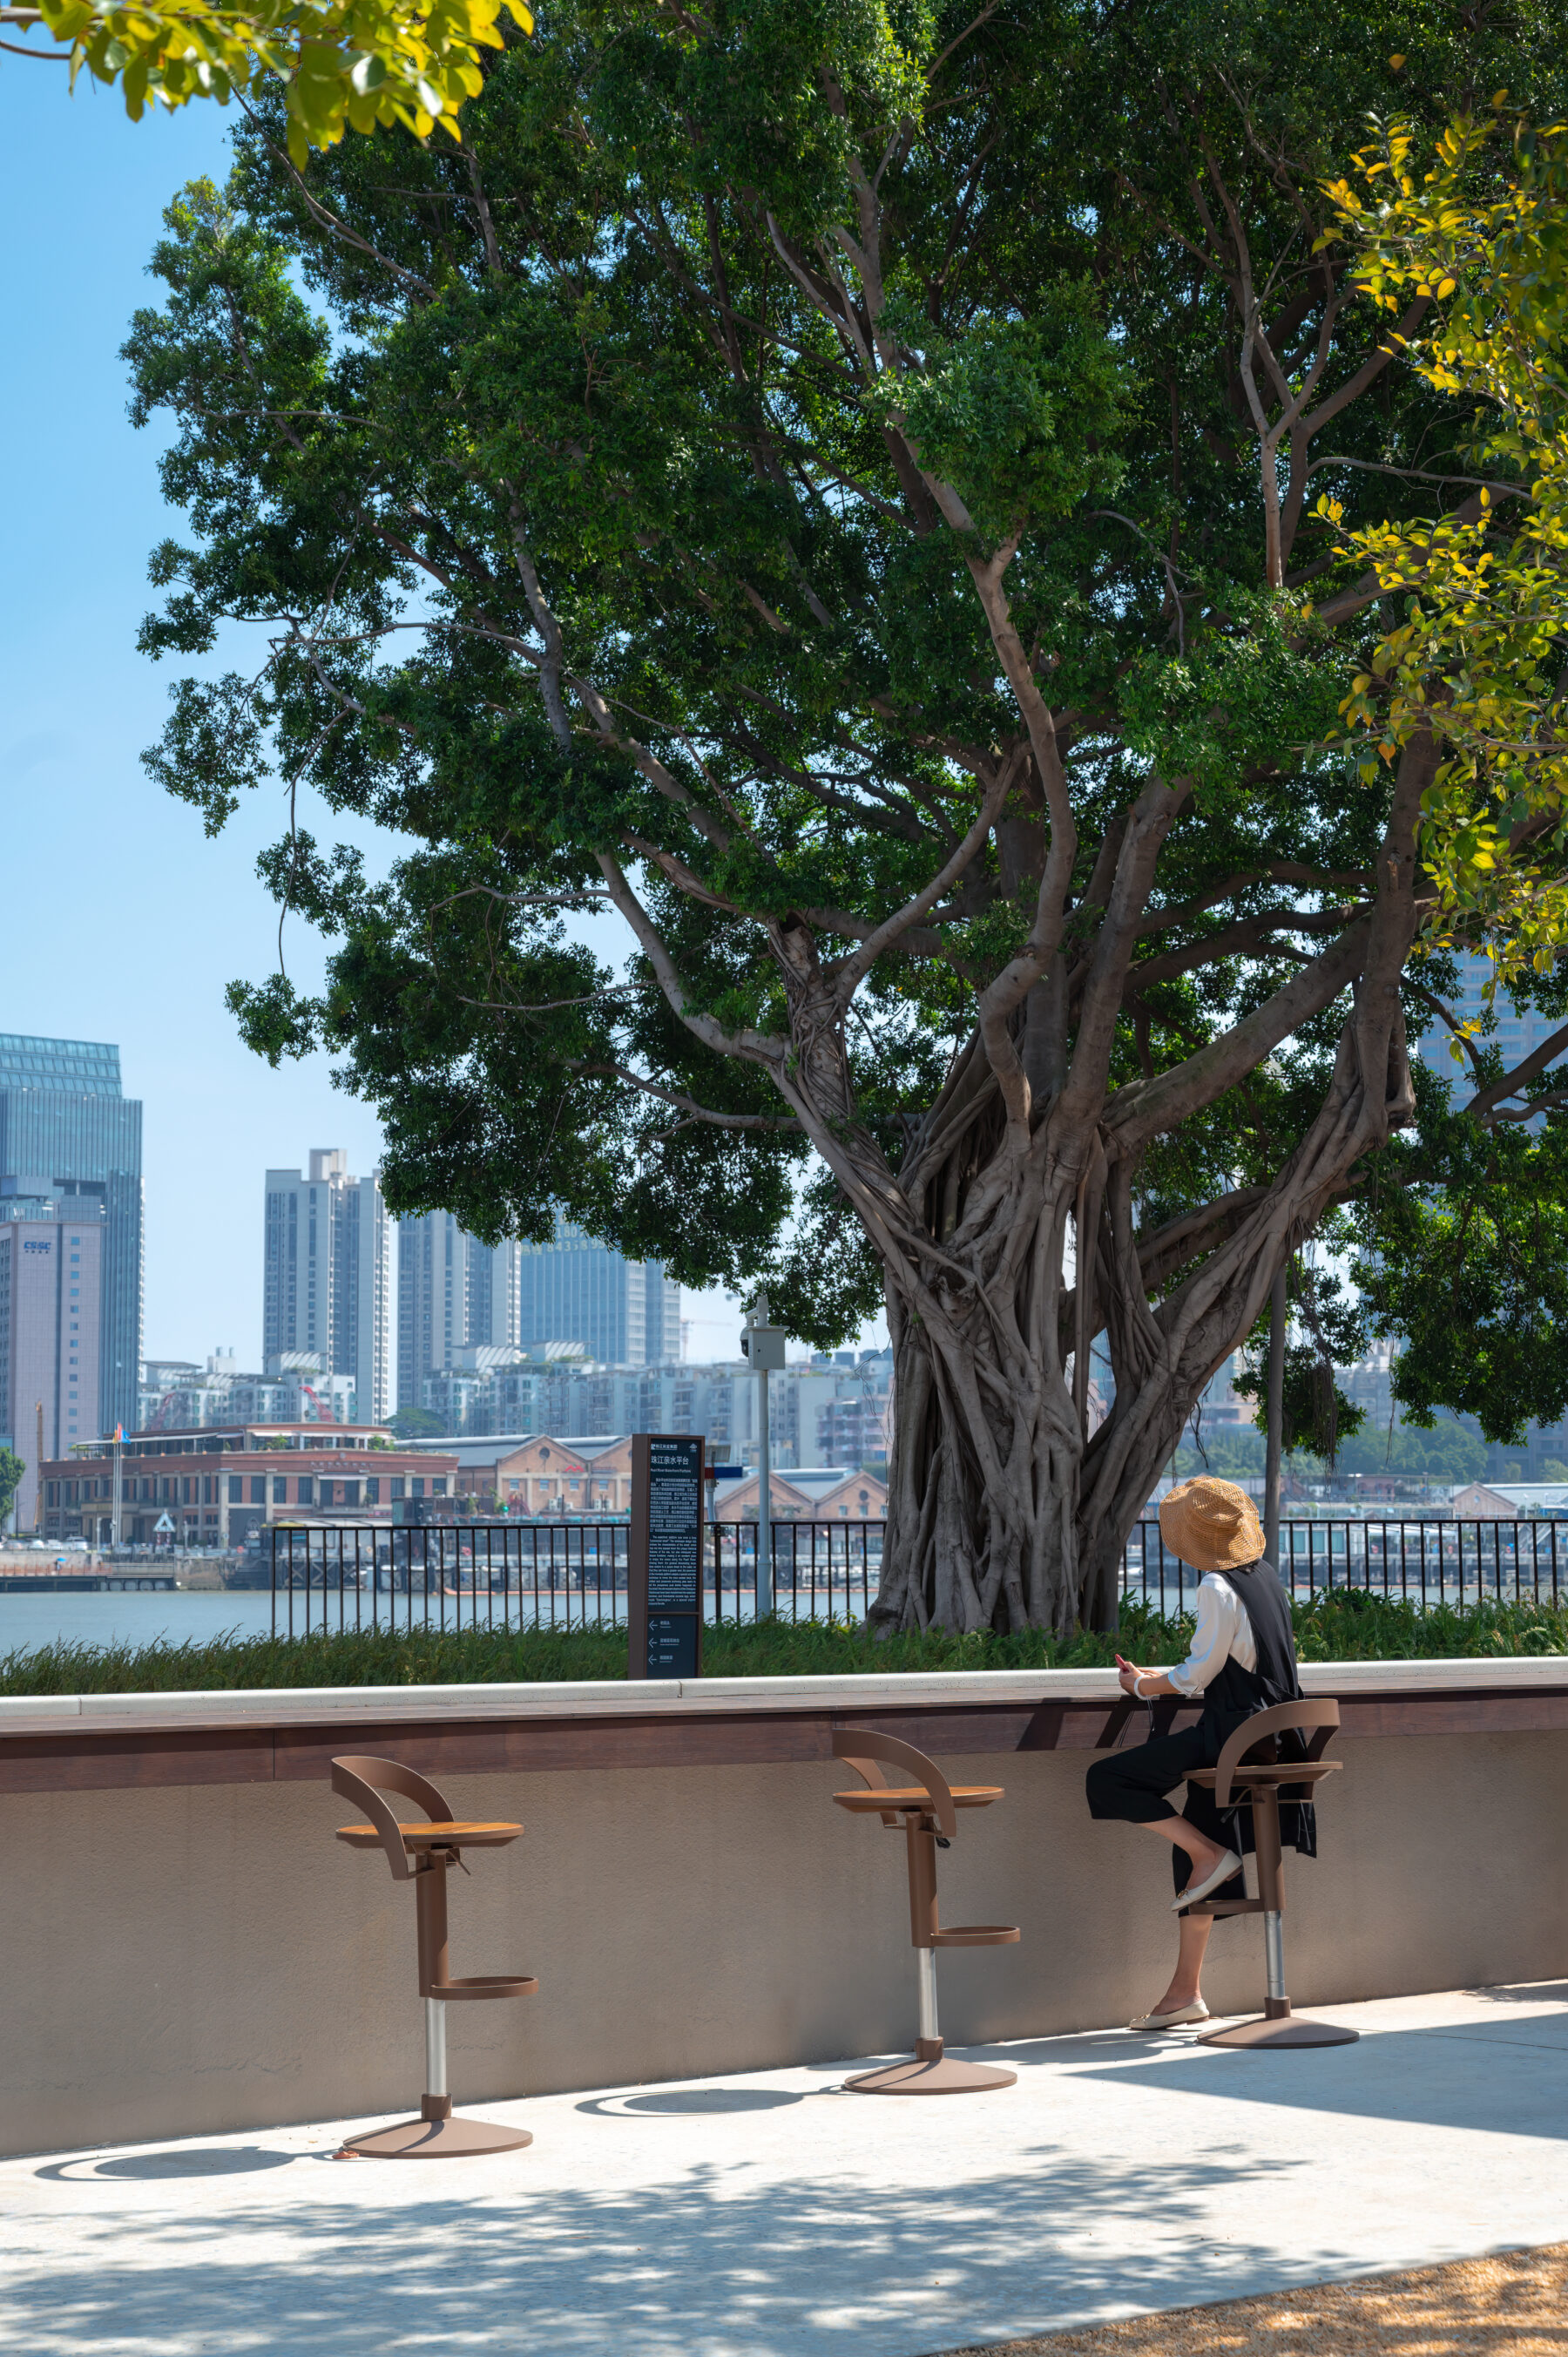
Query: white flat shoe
[(1177, 2019), (1228, 1865)]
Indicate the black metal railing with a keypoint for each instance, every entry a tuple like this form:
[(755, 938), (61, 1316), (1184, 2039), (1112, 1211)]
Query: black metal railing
[(333, 1577), (573, 1575), (1418, 1559)]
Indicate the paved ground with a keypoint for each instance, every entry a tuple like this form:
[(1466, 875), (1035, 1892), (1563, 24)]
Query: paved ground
[(773, 2216), (1512, 2305)]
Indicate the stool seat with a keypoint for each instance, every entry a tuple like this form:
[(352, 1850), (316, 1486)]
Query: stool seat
[(1283, 1771), (451, 1834), (884, 1796)]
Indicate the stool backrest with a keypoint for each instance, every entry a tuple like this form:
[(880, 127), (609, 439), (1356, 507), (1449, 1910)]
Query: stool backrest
[(1262, 1728), (364, 1779), (861, 1749)]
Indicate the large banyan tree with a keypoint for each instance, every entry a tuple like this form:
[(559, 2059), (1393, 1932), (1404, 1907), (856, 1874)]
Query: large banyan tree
[(869, 558)]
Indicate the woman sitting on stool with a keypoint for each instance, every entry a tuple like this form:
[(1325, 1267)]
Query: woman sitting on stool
[(1242, 1661)]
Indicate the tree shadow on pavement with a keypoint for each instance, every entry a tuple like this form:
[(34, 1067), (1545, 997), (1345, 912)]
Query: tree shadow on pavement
[(711, 2264)]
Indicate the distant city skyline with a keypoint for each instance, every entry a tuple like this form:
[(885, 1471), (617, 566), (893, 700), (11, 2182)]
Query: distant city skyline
[(123, 920)]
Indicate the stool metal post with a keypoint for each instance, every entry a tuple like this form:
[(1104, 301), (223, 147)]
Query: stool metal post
[(436, 2050), (925, 1987)]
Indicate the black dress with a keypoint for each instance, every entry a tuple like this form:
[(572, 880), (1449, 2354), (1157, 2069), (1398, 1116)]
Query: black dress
[(1130, 1785)]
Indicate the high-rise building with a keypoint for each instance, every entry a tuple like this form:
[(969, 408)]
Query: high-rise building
[(1516, 1036), (453, 1293), (625, 1313), (67, 1135), (52, 1261), (328, 1281)]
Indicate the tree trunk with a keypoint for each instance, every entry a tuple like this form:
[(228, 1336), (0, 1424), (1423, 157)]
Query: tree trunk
[(1005, 1510)]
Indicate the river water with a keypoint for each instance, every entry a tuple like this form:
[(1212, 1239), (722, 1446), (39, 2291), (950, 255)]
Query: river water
[(134, 1619), (175, 1615)]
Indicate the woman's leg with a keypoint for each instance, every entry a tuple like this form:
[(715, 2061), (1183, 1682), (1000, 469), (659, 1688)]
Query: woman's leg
[(1130, 1785), (1184, 1988), (1205, 1852)]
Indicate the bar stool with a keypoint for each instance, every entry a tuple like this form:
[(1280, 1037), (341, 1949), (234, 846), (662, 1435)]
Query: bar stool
[(425, 1855), (1236, 1780), (927, 1812)]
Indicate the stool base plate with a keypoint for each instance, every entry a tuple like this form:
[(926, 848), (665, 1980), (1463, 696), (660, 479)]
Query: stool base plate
[(449, 2139), (1294, 2029), (947, 2076)]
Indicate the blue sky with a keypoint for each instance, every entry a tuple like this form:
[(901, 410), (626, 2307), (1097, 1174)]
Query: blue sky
[(120, 920)]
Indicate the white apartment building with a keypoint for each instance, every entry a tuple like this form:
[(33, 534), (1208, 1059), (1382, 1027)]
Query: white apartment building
[(52, 1279), (327, 1291), (454, 1294)]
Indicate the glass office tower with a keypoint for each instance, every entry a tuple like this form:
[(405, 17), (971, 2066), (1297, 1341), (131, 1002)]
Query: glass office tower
[(67, 1133), (625, 1313)]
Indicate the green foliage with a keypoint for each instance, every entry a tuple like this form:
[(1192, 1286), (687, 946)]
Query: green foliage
[(1444, 1452), (1346, 1625), (416, 1423), (577, 380), (1232, 1452), (12, 1468), (1315, 1414), (1477, 654), (1025, 416), (1470, 1275), (344, 64)]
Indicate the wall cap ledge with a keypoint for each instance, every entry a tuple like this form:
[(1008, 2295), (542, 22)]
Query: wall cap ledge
[(614, 1697)]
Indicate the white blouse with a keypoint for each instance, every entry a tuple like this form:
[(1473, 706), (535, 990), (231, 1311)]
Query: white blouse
[(1223, 1630)]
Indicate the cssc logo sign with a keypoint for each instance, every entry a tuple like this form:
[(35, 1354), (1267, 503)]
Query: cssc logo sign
[(37, 1248)]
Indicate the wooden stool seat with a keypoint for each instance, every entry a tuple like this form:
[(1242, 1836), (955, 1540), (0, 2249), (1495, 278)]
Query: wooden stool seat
[(965, 1796), (454, 1834), (1284, 1772)]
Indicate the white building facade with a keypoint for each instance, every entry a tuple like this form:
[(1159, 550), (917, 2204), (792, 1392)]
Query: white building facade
[(52, 1279), (454, 1294), (326, 1289)]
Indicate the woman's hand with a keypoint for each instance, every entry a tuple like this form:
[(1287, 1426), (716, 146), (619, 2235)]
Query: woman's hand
[(1155, 1681)]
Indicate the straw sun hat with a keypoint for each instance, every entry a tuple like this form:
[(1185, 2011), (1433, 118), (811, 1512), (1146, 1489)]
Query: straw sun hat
[(1211, 1524)]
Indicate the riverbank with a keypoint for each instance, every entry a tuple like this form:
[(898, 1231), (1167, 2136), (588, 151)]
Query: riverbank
[(1348, 1625)]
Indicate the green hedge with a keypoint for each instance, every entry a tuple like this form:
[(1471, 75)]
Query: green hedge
[(1347, 1626)]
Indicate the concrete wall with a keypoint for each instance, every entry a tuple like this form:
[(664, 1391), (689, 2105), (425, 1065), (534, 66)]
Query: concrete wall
[(189, 1961)]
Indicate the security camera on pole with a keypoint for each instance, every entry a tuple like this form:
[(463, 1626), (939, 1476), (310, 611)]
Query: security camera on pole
[(764, 1346)]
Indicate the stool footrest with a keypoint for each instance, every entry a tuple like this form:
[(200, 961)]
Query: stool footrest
[(1226, 1907), (975, 1935), (482, 1984)]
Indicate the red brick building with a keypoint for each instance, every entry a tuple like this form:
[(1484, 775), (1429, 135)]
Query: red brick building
[(218, 1483)]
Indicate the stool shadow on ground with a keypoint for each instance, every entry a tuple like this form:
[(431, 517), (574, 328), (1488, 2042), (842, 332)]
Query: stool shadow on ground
[(185, 2160), (1506, 2077), (690, 2102)]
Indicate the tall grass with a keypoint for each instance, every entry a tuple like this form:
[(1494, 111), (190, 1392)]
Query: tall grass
[(1345, 1626)]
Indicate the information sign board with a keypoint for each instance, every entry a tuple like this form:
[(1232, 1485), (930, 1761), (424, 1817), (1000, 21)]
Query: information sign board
[(664, 1557)]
